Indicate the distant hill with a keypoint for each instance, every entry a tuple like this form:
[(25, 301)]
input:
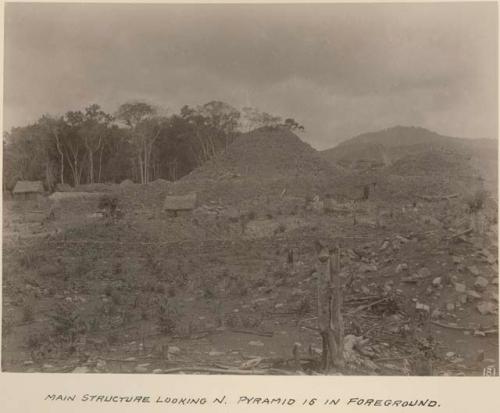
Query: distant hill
[(415, 151)]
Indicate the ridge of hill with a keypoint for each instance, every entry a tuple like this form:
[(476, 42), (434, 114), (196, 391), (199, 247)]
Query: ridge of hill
[(416, 151), (387, 146)]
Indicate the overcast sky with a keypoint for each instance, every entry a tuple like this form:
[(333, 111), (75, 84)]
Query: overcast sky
[(340, 70)]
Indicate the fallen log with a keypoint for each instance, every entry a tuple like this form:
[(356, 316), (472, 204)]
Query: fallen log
[(437, 197), (437, 323), (253, 332), (466, 232), (364, 307)]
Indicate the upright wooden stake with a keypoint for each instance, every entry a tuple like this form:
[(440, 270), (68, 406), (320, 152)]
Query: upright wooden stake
[(330, 337), (336, 318)]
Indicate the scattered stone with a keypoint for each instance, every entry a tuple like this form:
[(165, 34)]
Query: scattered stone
[(457, 259), (423, 272), (450, 355), (401, 267), (460, 288), (214, 353), (368, 267), (142, 368), (256, 343), (422, 307), (481, 283), (486, 308), (28, 362), (437, 281), (384, 246), (250, 364), (474, 270), (450, 306), (436, 314), (157, 371), (101, 364), (462, 299), (410, 279), (473, 294), (81, 370), (402, 239)]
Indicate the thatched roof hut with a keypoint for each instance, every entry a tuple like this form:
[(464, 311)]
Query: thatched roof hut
[(180, 202), (27, 190), (126, 182), (28, 187)]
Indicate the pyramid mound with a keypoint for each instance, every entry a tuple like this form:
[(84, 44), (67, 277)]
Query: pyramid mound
[(261, 165), (267, 153)]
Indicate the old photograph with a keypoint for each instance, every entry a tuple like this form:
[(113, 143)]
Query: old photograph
[(250, 189)]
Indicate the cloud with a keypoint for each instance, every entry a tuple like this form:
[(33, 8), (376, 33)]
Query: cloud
[(340, 69)]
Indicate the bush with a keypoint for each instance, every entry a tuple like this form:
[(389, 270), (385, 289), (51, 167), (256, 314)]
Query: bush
[(304, 307), (232, 320), (29, 260), (34, 341), (476, 201), (160, 288), (28, 313), (281, 228), (108, 290), (81, 268), (108, 204), (171, 291), (208, 293), (239, 288), (116, 297), (66, 322), (49, 270), (167, 319)]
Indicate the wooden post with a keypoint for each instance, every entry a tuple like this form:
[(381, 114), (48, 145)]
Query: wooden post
[(330, 302), (330, 337), (336, 318)]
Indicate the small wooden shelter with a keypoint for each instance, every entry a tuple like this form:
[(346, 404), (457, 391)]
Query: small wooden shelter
[(179, 204), (25, 190)]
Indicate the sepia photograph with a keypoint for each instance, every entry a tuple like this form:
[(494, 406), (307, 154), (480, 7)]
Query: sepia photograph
[(250, 189)]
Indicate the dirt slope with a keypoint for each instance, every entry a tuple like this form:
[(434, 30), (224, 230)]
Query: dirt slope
[(261, 164)]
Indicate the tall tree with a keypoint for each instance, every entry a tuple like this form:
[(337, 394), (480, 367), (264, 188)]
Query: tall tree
[(55, 128), (74, 145), (94, 130), (213, 126), (144, 129)]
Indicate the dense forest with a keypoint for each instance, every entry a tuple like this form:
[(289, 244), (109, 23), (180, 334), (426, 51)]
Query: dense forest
[(138, 142)]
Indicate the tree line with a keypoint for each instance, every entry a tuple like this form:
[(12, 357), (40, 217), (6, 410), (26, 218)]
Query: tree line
[(137, 142)]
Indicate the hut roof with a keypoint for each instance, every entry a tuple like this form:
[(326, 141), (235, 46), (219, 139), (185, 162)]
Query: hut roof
[(180, 202), (25, 187), (127, 182)]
